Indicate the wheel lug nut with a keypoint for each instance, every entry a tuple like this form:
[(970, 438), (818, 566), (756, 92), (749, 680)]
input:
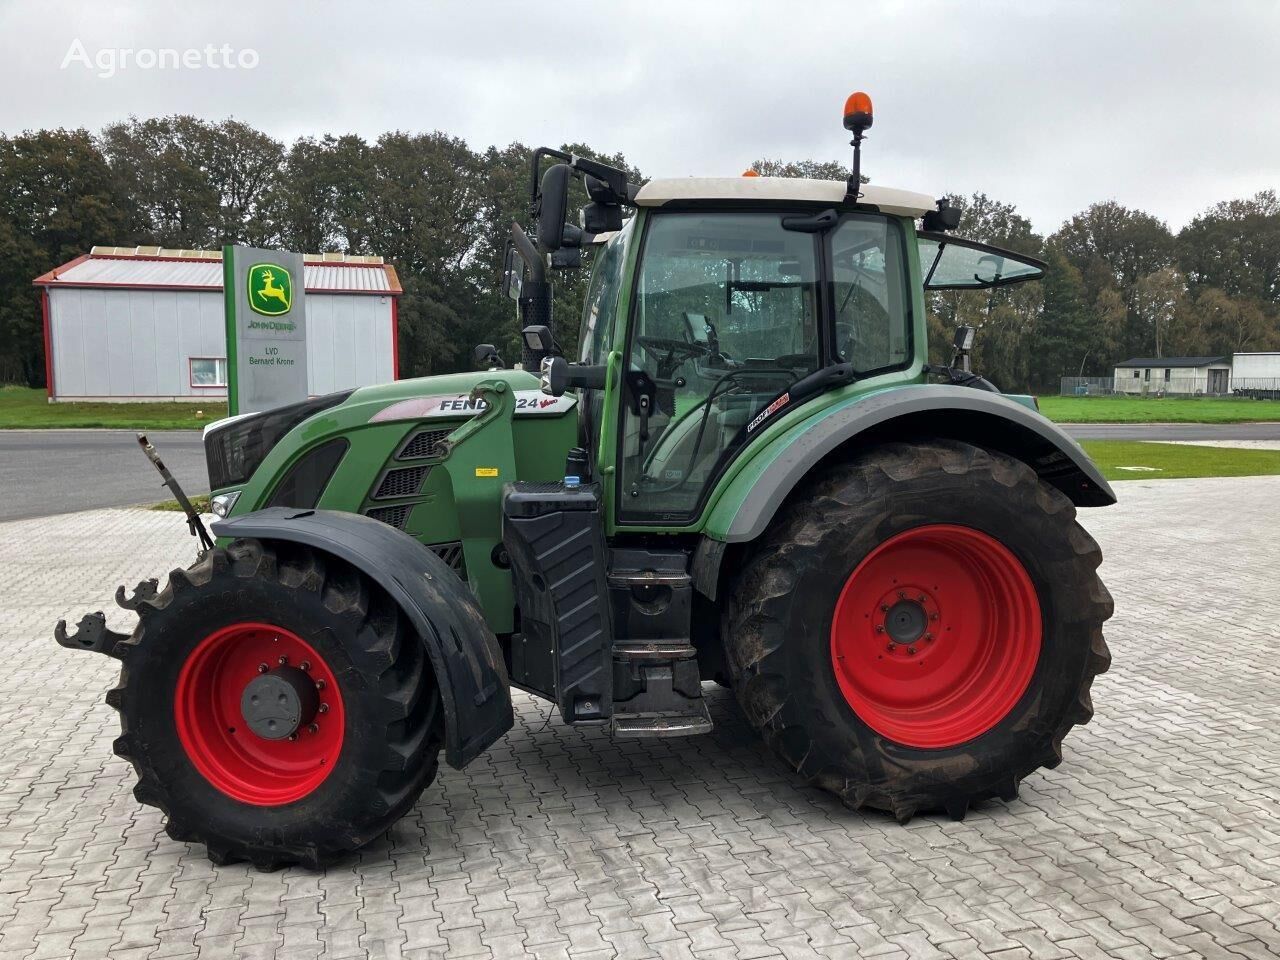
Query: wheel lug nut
[(880, 628), (282, 661), (902, 594), (293, 736), (313, 728), (262, 668), (884, 608), (320, 684), (889, 648), (928, 636), (920, 599), (933, 616), (324, 708), (305, 664), (911, 650)]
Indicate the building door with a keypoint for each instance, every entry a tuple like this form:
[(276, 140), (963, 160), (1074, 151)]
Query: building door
[(1218, 381)]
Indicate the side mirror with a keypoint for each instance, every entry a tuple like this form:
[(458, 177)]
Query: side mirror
[(512, 274), (486, 355), (553, 207)]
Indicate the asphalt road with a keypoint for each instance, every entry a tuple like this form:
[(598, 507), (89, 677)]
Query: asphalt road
[(46, 472)]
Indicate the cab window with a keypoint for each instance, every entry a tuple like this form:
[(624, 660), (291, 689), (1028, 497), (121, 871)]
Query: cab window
[(870, 293), (725, 318), (602, 298)]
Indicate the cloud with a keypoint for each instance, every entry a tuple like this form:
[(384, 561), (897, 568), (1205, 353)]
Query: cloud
[(1049, 105)]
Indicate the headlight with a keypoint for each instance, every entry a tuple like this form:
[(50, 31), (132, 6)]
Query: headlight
[(235, 451), (221, 504)]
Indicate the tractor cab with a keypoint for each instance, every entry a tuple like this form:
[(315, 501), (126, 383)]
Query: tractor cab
[(721, 305)]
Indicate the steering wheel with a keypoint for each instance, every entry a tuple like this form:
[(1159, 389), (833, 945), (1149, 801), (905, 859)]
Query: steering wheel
[(684, 349)]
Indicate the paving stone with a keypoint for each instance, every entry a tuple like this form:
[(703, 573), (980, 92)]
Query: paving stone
[(1156, 837)]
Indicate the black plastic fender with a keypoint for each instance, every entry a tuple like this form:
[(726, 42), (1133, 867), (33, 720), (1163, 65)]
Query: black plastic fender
[(463, 651), (934, 410)]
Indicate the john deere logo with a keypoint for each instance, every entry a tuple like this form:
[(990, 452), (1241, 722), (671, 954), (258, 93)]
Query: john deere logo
[(270, 289)]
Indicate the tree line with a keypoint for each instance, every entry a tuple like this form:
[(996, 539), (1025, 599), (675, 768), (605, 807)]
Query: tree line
[(1118, 282)]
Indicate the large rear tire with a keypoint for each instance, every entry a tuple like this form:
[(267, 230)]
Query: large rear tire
[(276, 706), (919, 629)]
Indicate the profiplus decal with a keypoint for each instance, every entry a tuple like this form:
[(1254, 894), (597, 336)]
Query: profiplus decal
[(768, 411)]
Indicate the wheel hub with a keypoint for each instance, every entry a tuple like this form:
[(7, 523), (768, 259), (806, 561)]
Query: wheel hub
[(908, 618), (905, 622), (275, 705)]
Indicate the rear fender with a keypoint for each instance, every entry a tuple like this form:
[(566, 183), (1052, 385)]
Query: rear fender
[(747, 505), (463, 651)]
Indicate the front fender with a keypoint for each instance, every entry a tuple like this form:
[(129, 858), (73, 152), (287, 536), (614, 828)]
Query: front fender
[(464, 653), (745, 507)]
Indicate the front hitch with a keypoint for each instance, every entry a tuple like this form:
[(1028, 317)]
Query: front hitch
[(91, 634)]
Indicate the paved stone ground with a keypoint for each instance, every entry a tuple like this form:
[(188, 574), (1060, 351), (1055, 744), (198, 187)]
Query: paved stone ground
[(1158, 837)]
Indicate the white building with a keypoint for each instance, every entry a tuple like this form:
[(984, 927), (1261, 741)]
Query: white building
[(1256, 375), (1174, 375), (149, 324)]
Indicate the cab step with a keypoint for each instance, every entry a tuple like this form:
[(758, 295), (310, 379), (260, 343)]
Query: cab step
[(645, 725)]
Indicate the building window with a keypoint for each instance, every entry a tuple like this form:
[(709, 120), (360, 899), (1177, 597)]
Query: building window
[(208, 371), (1167, 371), (1146, 374), (1136, 374)]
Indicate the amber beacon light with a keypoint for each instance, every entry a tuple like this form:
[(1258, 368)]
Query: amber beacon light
[(857, 112), (857, 118)]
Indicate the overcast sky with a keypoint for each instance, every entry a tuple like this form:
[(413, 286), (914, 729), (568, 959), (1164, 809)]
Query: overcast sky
[(1167, 106)]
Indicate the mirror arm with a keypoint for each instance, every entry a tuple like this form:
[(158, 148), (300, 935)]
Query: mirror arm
[(534, 177), (528, 253)]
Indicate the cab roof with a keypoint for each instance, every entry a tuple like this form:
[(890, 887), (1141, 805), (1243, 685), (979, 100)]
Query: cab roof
[(657, 193)]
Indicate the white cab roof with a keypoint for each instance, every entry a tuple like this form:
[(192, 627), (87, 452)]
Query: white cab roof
[(657, 193)]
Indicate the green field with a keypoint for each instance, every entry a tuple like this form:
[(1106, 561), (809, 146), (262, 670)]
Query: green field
[(1158, 409), (1172, 460), (24, 408)]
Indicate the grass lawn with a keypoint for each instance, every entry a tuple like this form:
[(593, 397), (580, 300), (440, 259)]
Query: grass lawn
[(22, 407), (199, 500), (1158, 410), (1171, 460)]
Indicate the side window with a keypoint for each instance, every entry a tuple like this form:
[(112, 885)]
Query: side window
[(869, 283), (602, 299)]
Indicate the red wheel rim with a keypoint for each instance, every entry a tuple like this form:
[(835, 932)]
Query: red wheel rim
[(936, 636), (217, 738)]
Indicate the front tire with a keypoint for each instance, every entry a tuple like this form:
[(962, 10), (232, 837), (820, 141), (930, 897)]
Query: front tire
[(344, 753), (919, 628)]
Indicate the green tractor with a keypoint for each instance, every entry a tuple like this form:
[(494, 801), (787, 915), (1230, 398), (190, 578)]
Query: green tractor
[(751, 475)]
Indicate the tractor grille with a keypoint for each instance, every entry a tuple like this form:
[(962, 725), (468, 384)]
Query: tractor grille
[(424, 443), (401, 482), (391, 516), (451, 553)]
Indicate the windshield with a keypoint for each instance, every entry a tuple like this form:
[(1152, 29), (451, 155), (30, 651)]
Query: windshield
[(725, 317)]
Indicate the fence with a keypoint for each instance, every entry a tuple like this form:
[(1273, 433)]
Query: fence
[(1258, 388)]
